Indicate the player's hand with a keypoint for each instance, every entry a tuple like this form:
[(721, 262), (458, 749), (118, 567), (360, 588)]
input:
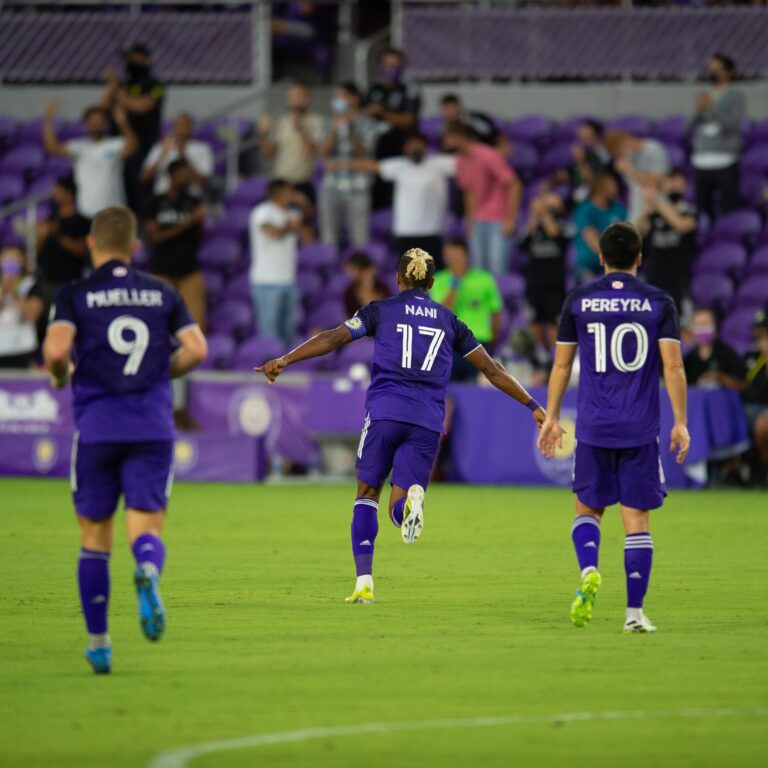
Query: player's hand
[(272, 369), (681, 441), (539, 416), (550, 437)]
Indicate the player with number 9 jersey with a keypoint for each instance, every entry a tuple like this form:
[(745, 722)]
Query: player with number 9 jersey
[(415, 339), (124, 333)]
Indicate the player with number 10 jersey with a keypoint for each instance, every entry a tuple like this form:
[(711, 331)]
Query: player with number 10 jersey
[(415, 339)]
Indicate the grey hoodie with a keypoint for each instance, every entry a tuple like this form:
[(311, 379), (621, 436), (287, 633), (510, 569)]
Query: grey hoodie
[(718, 129)]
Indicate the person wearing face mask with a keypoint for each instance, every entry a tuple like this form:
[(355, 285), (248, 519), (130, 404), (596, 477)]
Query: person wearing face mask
[(712, 363), (345, 194), (20, 309), (716, 139), (396, 106), (98, 159), (293, 141), (669, 225)]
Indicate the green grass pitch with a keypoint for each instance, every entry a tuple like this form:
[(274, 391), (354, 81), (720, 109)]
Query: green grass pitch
[(470, 622)]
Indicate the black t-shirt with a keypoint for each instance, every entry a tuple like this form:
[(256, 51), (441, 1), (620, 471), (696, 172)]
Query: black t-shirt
[(147, 124), (669, 253), (176, 257), (55, 264), (402, 98), (546, 259), (723, 358), (757, 380)]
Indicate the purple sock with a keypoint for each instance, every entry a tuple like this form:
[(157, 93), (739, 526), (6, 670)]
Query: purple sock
[(586, 540), (93, 578), (149, 548), (365, 526), (397, 513), (638, 558)]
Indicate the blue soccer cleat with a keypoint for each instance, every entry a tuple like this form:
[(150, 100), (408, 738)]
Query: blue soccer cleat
[(151, 611), (100, 660)]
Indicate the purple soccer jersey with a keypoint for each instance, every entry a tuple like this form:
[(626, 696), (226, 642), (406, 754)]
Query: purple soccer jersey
[(617, 322), (124, 323), (414, 341)]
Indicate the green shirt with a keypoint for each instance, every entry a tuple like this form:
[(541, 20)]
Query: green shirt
[(477, 300)]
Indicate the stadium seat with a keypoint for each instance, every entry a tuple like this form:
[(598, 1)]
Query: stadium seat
[(737, 226), (8, 132), (758, 264), (11, 188), (722, 258), (736, 329), (220, 252), (379, 253), (712, 291), (42, 185), (329, 314), (531, 129), (753, 292), (214, 285), (23, 159), (566, 129), (432, 128), (221, 352), (755, 159), (637, 125), (361, 352), (234, 222), (256, 351), (381, 225), (318, 256), (249, 192), (235, 318), (512, 289), (56, 166), (671, 130), (337, 286), (524, 159), (310, 284)]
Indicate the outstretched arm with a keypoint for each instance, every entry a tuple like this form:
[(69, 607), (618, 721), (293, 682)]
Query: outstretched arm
[(497, 374), (317, 346), (551, 436), (677, 388)]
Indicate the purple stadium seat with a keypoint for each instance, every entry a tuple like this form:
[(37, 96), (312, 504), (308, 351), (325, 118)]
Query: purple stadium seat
[(329, 314), (531, 129), (637, 125), (214, 284), (712, 291), (8, 131), (432, 128), (736, 329), (722, 258), (235, 318), (360, 351), (318, 256), (737, 226), (672, 129), (753, 292), (11, 188), (220, 253), (238, 289), (512, 288), (557, 157), (758, 264), (44, 184), (454, 226), (24, 159), (310, 284), (242, 126), (70, 131), (566, 130), (524, 159), (337, 286), (31, 132), (221, 352), (381, 224), (759, 133), (676, 155), (256, 351), (378, 251), (751, 186), (249, 192), (56, 166), (235, 221), (756, 158)]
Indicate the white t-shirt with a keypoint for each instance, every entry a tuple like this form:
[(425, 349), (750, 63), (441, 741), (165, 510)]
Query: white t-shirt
[(421, 193), (98, 173), (273, 259), (652, 158), (197, 153), (17, 336)]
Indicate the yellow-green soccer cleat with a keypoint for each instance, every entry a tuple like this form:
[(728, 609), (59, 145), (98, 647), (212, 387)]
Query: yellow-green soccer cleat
[(581, 607), (362, 595), (413, 517)]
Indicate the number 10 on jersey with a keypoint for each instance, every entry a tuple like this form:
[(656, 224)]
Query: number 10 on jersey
[(598, 330), (434, 346)]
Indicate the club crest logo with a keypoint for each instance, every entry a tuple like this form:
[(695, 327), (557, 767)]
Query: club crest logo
[(354, 323), (119, 271), (44, 456), (184, 455), (617, 284)]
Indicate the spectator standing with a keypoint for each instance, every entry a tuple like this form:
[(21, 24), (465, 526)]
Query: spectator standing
[(592, 218), (275, 227), (641, 162), (98, 160), (492, 194), (174, 228), (483, 126), (712, 362), (293, 141), (669, 226), (717, 138), (345, 194), (396, 106), (546, 244), (179, 144), (590, 157), (473, 295), (366, 285), (20, 310)]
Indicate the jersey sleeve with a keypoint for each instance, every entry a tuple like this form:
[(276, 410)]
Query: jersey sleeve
[(464, 341), (180, 319), (669, 327), (566, 333), (365, 322), (63, 307)]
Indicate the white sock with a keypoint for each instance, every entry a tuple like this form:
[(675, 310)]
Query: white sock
[(635, 614), (366, 580), (99, 641), (587, 570)]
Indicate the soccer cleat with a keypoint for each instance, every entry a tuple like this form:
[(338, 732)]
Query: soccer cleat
[(641, 626), (581, 607), (151, 611), (413, 519), (362, 595), (100, 660)]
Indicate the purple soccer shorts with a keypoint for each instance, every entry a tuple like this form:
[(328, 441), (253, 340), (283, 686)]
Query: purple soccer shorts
[(101, 472), (405, 449), (631, 476)]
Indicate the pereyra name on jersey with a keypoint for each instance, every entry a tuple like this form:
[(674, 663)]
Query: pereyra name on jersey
[(616, 305)]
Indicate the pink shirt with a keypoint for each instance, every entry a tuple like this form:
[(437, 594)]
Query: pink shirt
[(485, 174)]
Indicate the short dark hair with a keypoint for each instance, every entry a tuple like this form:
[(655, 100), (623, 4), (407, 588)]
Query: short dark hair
[(392, 51), (275, 186), (416, 269), (418, 135), (459, 129), (177, 165), (351, 88), (620, 245), (67, 183), (675, 172), (360, 259), (457, 242), (595, 125), (450, 98), (728, 63), (93, 110)]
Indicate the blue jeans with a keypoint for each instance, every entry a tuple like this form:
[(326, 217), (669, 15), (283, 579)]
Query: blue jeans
[(490, 247), (275, 308)]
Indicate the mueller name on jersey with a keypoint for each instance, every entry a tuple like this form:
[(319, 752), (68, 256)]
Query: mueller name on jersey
[(616, 305), (418, 311), (124, 297)]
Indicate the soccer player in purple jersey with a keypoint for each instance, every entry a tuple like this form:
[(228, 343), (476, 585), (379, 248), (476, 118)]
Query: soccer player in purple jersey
[(112, 334), (626, 332), (414, 341)]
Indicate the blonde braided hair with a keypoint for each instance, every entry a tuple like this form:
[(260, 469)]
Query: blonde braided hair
[(417, 266)]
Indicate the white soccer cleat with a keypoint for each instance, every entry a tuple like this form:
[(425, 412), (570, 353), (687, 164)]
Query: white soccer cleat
[(637, 623), (413, 521)]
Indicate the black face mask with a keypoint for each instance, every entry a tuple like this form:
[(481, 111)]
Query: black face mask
[(675, 197), (416, 157), (135, 71)]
